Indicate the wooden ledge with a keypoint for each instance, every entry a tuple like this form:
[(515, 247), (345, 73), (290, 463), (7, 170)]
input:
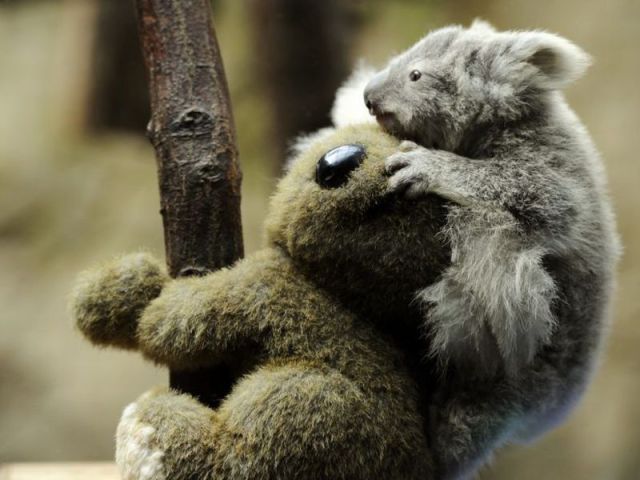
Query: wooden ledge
[(59, 471)]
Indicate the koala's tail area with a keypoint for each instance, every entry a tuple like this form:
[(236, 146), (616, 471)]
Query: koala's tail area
[(107, 300)]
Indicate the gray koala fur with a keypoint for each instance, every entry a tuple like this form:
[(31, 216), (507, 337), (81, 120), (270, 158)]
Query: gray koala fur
[(516, 322)]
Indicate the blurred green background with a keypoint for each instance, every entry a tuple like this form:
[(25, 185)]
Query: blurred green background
[(78, 184)]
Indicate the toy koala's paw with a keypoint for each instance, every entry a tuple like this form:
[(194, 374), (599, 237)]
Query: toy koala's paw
[(107, 301), (138, 452), (408, 170), (176, 324)]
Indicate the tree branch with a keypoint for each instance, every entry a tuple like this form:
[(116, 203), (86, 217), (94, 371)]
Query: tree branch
[(193, 134)]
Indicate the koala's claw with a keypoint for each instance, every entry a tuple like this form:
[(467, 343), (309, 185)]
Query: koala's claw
[(408, 145), (408, 174), (396, 162), (411, 184)]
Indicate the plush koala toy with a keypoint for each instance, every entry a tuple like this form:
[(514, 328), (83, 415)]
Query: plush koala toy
[(319, 327), (516, 320)]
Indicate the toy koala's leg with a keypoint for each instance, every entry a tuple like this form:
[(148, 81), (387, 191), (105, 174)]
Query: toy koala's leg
[(165, 435), (300, 421), (288, 421)]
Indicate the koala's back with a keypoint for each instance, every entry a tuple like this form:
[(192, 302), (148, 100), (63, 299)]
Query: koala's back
[(582, 247), (579, 231)]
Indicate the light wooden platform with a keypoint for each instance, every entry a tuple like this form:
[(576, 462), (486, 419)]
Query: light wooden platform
[(59, 471)]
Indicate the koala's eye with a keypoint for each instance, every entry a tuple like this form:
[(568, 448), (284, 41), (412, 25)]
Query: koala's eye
[(335, 166), (415, 75)]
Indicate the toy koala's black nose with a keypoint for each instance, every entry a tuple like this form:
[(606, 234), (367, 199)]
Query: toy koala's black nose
[(334, 167)]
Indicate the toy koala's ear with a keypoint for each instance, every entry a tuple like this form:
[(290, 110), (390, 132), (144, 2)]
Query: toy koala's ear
[(302, 142), (348, 107), (482, 25), (556, 61)]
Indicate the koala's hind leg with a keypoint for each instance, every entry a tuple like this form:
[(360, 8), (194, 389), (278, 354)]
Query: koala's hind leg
[(470, 424)]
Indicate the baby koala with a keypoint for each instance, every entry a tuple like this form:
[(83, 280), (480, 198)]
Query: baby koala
[(516, 321)]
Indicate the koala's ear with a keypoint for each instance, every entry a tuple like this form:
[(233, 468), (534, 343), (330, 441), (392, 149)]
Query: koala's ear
[(555, 60), (348, 107)]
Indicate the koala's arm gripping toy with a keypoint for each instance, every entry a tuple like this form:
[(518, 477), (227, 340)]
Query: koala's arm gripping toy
[(504, 211), (499, 314)]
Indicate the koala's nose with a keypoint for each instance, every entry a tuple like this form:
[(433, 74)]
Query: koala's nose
[(371, 105), (370, 93), (335, 166)]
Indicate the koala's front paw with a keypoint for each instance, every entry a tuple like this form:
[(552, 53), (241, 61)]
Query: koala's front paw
[(138, 452), (408, 169)]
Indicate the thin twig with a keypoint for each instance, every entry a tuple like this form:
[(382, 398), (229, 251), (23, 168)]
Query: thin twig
[(193, 134)]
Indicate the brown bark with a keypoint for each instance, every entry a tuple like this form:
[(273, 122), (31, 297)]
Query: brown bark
[(193, 134)]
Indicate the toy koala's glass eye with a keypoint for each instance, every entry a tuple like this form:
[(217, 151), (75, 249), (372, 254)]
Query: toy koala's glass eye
[(335, 166), (415, 75)]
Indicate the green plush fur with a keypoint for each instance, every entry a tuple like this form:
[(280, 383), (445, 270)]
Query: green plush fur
[(108, 299), (319, 324)]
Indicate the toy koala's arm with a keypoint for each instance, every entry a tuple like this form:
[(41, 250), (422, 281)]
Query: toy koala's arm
[(199, 320), (107, 300), (131, 303), (491, 309)]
